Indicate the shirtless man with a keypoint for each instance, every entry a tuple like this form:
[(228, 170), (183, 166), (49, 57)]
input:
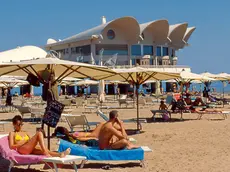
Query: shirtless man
[(109, 130)]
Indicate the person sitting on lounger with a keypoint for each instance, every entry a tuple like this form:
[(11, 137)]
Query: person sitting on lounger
[(109, 131), (20, 141)]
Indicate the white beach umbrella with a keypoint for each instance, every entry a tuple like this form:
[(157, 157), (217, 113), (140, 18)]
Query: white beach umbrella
[(189, 76), (11, 82), (85, 83), (215, 76), (224, 75), (61, 68), (115, 82), (137, 76)]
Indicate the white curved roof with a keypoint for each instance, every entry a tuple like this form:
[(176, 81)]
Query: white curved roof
[(188, 33), (159, 30), (130, 22), (22, 53), (176, 34)]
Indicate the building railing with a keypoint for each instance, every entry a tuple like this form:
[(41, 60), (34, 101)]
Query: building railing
[(152, 66)]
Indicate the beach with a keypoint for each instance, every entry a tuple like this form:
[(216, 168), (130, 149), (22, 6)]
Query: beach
[(189, 145)]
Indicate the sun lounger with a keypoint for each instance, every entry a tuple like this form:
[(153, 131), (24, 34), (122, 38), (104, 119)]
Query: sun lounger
[(222, 113), (79, 120), (133, 120), (95, 154), (17, 159)]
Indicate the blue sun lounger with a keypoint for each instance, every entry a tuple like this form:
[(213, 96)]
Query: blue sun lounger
[(95, 154)]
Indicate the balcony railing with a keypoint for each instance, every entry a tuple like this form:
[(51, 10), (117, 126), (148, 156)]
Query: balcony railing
[(152, 66)]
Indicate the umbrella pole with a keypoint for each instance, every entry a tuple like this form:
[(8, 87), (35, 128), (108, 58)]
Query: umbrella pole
[(223, 92), (137, 88)]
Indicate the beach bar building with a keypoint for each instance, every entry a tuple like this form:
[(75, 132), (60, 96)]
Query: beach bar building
[(152, 44)]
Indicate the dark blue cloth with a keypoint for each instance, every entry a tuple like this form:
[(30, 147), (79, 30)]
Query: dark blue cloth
[(94, 153)]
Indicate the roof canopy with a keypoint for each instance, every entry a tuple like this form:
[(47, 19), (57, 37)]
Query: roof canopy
[(158, 30), (188, 33), (124, 23), (176, 34)]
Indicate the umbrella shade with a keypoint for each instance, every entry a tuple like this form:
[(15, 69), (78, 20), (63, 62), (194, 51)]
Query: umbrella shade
[(70, 79), (86, 82), (116, 82), (224, 75), (137, 75), (12, 82), (188, 76), (62, 68), (215, 76)]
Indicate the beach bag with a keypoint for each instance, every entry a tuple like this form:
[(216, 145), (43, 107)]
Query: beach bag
[(165, 116), (33, 80), (53, 112)]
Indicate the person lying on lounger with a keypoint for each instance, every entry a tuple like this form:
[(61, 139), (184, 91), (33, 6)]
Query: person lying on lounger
[(81, 136), (109, 131), (20, 141)]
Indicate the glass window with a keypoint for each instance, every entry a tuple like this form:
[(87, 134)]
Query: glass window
[(148, 50), (110, 34), (158, 51), (111, 49), (136, 50), (83, 50), (165, 51)]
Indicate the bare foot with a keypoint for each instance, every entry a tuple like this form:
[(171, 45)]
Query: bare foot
[(47, 154), (66, 152), (132, 147)]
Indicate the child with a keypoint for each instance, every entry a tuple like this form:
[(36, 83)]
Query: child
[(164, 107)]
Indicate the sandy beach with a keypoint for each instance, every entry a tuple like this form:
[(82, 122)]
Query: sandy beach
[(179, 145)]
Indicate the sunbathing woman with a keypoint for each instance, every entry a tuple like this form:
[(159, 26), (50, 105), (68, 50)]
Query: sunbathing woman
[(20, 141), (81, 136)]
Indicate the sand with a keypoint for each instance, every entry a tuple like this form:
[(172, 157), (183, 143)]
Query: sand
[(180, 145)]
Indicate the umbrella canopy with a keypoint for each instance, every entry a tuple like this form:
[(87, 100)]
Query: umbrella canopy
[(12, 82), (62, 68), (215, 76), (116, 82), (188, 76), (137, 76), (86, 82), (224, 75)]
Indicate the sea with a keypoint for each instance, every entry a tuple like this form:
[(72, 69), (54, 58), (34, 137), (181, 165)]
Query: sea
[(218, 86)]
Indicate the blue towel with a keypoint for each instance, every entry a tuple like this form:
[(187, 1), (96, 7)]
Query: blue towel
[(94, 153)]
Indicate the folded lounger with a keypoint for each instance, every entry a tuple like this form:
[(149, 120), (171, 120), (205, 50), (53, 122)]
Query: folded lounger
[(17, 159), (95, 154)]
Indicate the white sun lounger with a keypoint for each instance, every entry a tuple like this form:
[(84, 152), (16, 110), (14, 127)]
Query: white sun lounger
[(18, 159)]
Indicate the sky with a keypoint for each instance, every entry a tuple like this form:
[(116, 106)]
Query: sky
[(27, 22)]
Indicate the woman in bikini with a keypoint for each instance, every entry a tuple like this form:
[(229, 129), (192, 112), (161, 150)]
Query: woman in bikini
[(20, 141), (81, 136)]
